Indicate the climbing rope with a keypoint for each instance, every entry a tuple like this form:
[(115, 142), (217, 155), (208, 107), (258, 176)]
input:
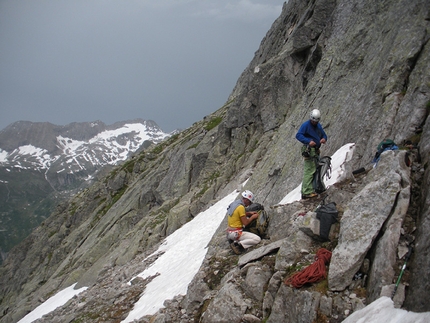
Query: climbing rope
[(313, 273)]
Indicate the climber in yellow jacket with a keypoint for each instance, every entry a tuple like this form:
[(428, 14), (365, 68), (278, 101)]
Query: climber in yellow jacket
[(238, 218)]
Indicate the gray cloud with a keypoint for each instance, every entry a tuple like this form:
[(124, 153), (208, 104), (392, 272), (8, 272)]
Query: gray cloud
[(245, 10), (170, 61)]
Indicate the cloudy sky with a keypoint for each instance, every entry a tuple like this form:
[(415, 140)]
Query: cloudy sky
[(171, 61)]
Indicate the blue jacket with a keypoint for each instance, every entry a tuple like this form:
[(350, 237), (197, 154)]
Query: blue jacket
[(309, 132)]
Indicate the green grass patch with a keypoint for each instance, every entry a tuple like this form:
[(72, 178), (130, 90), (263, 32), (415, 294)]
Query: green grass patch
[(213, 123), (119, 194), (159, 219), (202, 191), (322, 287), (214, 176), (129, 166), (107, 207), (193, 146)]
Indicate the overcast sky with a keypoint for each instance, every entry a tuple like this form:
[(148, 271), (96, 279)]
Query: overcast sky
[(171, 61)]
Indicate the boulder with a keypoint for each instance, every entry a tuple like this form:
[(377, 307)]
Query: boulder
[(364, 217)]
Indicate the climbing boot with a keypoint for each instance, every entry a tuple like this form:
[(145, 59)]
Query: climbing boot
[(309, 196), (236, 247)]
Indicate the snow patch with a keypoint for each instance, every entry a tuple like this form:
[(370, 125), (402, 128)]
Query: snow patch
[(175, 267), (338, 161), (382, 311), (3, 156), (52, 303)]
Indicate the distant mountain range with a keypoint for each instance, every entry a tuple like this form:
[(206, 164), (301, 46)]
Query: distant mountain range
[(42, 163)]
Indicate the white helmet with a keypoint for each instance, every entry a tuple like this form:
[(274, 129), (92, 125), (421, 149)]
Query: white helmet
[(315, 115), (248, 195)]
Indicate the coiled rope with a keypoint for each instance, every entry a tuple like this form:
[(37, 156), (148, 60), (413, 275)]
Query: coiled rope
[(313, 273)]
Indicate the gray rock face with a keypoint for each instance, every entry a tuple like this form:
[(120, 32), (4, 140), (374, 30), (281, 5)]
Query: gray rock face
[(256, 280), (364, 217), (303, 309), (365, 65), (232, 303), (382, 272)]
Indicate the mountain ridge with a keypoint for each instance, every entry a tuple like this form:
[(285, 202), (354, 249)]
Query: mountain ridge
[(43, 134), (58, 161), (364, 65)]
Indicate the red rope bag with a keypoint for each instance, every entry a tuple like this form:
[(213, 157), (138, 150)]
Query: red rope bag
[(313, 273)]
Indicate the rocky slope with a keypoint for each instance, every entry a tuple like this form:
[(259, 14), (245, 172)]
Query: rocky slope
[(365, 66)]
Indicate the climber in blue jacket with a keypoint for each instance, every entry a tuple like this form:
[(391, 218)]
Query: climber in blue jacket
[(311, 134)]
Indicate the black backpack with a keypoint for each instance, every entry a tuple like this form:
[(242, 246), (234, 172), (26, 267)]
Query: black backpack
[(260, 225), (327, 214), (323, 169)]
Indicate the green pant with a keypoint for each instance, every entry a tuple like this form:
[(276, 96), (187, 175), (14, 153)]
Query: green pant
[(309, 169)]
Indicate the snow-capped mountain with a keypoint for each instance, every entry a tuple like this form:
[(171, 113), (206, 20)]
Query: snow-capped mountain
[(74, 151), (41, 164)]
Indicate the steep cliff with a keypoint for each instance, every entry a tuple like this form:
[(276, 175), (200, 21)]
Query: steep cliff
[(365, 66)]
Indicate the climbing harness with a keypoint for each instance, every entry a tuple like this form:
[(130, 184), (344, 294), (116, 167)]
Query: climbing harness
[(234, 233), (313, 273)]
